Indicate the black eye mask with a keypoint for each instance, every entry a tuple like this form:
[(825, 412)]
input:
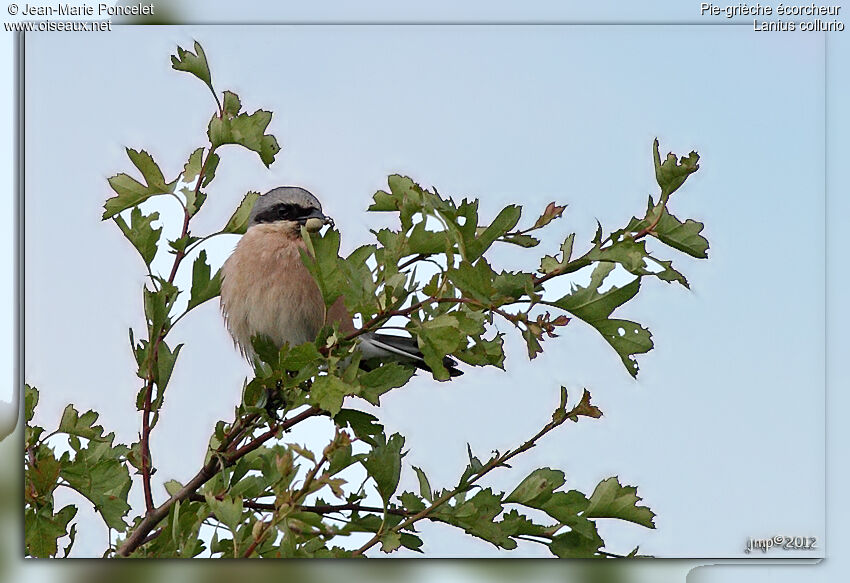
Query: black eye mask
[(288, 212)]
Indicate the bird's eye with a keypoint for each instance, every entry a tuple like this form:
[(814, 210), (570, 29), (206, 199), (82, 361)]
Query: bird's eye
[(285, 211)]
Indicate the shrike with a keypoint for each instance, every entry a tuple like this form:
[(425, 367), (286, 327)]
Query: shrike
[(267, 291)]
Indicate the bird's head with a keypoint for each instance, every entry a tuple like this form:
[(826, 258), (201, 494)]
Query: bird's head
[(289, 208)]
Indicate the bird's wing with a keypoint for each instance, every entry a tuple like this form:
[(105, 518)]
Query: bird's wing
[(389, 347)]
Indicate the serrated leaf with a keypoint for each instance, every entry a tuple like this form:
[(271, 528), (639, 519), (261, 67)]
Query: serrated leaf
[(99, 473), (626, 337), (364, 425), (232, 105), (671, 174), (386, 377), (42, 529), (551, 263), (130, 192), (194, 63), (572, 545), (611, 500), (209, 170), (83, 425), (193, 166), (682, 236), (30, 402), (247, 131), (390, 541), (383, 464), (328, 391), (204, 287), (228, 510), (484, 352), (149, 169), (437, 338), (238, 222), (477, 516), (194, 200), (140, 233)]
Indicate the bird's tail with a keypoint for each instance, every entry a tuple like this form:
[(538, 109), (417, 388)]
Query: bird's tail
[(384, 346)]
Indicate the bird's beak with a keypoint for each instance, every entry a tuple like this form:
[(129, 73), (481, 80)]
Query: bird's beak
[(316, 214), (315, 221)]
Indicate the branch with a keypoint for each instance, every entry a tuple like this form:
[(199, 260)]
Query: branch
[(211, 468), (557, 419), (146, 410), (305, 488)]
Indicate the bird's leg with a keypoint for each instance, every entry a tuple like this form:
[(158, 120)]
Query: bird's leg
[(274, 400)]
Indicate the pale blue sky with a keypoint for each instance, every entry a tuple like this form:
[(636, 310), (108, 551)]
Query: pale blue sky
[(730, 400)]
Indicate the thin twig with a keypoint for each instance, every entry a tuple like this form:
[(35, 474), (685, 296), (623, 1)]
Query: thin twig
[(492, 464), (211, 468)]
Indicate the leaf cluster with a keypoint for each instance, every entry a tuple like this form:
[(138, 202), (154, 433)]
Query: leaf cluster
[(435, 275)]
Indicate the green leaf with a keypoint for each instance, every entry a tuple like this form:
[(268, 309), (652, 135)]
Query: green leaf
[(247, 131), (328, 391), (150, 170), (514, 524), (386, 377), (232, 105), (99, 473), (322, 260), (551, 263), (140, 233), (671, 174), (43, 475), (682, 236), (390, 541), (424, 486), (73, 423), (172, 487), (587, 303), (484, 352), (477, 516), (165, 365), (194, 63), (130, 192), (506, 220), (611, 500), (42, 529), (209, 169), (520, 240), (628, 338), (383, 464), (364, 425), (537, 487), (412, 502), (194, 200), (437, 338), (204, 287), (30, 402), (475, 281), (193, 166), (572, 545), (228, 510), (157, 306), (238, 222)]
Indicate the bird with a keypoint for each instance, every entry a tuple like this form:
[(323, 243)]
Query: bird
[(266, 290)]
